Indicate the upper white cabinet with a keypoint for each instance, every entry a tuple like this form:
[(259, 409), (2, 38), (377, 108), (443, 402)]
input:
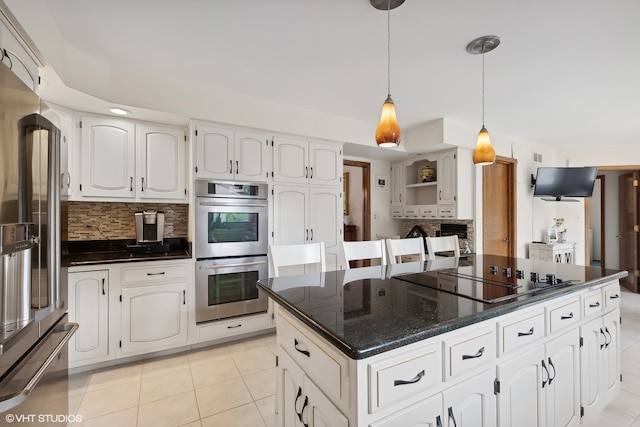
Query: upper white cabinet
[(304, 162), (160, 169), (120, 159), (17, 58), (433, 186), (231, 154), (107, 158)]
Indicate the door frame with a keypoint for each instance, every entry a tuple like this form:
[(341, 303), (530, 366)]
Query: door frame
[(366, 192)]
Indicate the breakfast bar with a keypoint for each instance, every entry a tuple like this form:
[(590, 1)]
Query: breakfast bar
[(453, 341)]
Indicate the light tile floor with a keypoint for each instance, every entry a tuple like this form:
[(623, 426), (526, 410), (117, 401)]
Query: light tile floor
[(233, 385)]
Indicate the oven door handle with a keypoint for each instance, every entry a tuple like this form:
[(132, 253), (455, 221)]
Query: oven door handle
[(20, 396), (244, 264), (250, 205)]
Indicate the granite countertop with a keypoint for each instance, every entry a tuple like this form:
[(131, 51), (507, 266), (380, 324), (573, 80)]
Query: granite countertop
[(87, 252), (370, 310)]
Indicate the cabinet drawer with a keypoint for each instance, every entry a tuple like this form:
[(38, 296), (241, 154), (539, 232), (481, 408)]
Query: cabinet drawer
[(469, 351), (428, 212), (327, 368), (447, 211), (563, 314), (154, 273), (592, 303), (397, 378), (232, 327), (410, 212), (611, 296), (396, 212), (516, 333)]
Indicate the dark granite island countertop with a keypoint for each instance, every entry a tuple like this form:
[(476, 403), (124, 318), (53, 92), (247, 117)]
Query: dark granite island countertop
[(371, 310)]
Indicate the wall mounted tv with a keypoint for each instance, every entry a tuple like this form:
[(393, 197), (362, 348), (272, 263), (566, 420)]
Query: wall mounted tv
[(553, 184)]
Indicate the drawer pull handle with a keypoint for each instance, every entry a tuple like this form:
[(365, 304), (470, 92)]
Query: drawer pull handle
[(452, 417), (569, 316), (295, 345), (475, 356), (155, 274), (616, 296), (594, 305), (523, 334), (551, 378), (234, 326), (544, 381), (412, 381), (607, 342)]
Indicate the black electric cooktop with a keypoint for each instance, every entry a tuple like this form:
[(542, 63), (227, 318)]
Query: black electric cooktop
[(493, 279)]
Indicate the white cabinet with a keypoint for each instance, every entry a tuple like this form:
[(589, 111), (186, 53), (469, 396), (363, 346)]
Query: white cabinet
[(17, 58), (160, 168), (302, 403), (471, 402), (599, 363), (231, 154), (563, 253), (425, 197), (561, 369), (124, 160), (107, 158), (426, 413), (154, 307), (304, 162), (89, 307), (308, 215)]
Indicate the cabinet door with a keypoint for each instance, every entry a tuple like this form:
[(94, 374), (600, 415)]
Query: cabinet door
[(108, 158), (562, 395), (290, 382), (320, 412), (521, 381), (592, 335), (325, 164), (252, 156), (290, 215), (471, 403), (325, 221), (290, 160), (160, 162), (447, 178), (214, 152), (397, 184), (611, 356), (89, 307), (426, 413), (153, 317)]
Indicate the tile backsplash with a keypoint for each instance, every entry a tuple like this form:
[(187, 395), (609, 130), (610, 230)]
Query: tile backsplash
[(116, 220)]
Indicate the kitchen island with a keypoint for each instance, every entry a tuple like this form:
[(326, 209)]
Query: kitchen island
[(482, 340)]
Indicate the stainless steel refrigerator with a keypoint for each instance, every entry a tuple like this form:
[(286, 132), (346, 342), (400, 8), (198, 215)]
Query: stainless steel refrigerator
[(34, 330)]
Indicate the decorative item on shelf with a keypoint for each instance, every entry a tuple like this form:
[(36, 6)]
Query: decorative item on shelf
[(484, 153), (560, 233), (428, 174), (388, 132)]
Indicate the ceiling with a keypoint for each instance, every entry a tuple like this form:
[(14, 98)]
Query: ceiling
[(566, 74)]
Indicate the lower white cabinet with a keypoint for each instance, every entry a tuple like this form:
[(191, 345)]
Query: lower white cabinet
[(89, 307), (153, 317), (426, 413), (302, 403), (471, 402), (562, 370), (599, 363)]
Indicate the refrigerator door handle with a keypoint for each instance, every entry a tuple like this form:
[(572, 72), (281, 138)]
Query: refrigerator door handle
[(21, 396)]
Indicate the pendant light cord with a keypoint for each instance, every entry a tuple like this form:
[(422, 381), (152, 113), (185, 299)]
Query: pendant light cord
[(482, 84), (389, 49)]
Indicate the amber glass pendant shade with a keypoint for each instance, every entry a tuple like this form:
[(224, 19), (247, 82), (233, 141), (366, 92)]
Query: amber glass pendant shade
[(484, 153), (388, 132)]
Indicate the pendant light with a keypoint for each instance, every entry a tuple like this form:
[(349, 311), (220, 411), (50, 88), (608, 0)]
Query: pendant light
[(484, 153), (388, 132)]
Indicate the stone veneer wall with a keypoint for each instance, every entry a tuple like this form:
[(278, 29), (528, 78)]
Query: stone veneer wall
[(116, 220), (432, 228)]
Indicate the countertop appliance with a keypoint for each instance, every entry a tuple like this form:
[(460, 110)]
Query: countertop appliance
[(149, 234), (34, 331), (231, 244)]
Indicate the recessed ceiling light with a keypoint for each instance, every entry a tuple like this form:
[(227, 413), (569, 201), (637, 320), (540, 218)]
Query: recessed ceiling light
[(119, 111)]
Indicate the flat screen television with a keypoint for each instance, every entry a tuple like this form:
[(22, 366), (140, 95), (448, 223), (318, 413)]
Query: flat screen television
[(557, 183)]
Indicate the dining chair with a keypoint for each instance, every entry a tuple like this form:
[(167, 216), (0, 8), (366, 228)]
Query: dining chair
[(411, 246), (296, 255), (361, 250), (442, 244)]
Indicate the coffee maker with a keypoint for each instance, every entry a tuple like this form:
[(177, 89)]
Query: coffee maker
[(149, 227)]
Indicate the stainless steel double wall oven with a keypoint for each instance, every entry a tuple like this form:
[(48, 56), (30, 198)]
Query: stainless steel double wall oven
[(231, 244)]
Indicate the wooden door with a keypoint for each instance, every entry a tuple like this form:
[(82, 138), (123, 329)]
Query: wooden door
[(627, 234), (499, 207)]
